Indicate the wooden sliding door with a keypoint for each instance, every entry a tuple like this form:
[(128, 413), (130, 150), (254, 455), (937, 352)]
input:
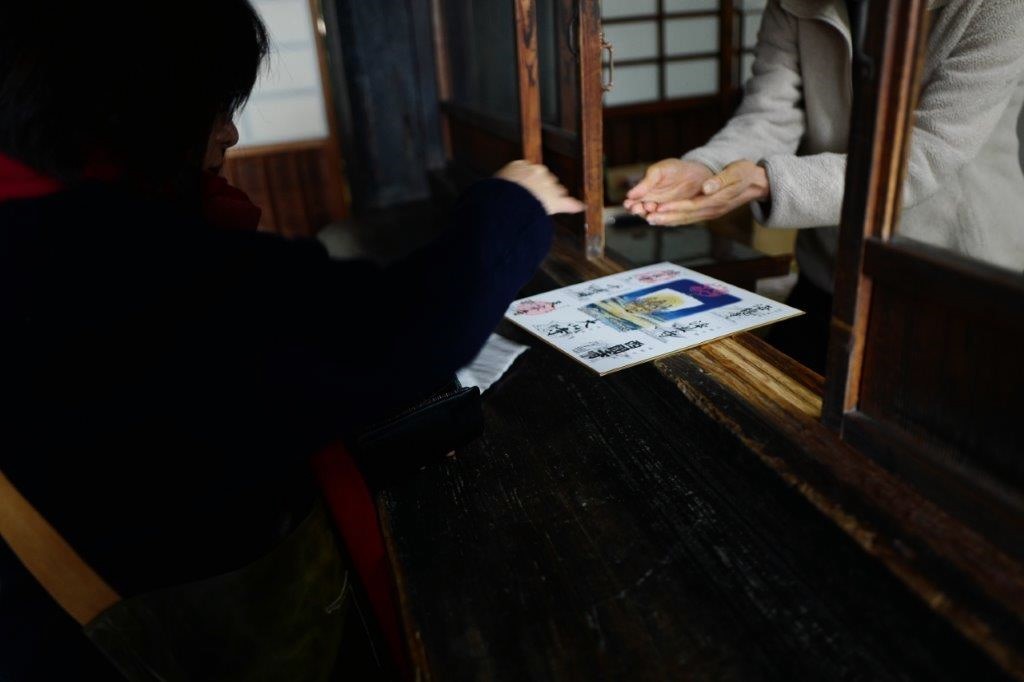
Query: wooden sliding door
[(522, 79)]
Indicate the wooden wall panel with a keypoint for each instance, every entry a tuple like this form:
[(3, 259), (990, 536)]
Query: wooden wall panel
[(941, 387), (647, 133), (297, 186)]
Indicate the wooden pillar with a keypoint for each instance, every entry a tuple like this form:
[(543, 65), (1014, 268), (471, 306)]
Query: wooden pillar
[(591, 41), (530, 124), (886, 77)]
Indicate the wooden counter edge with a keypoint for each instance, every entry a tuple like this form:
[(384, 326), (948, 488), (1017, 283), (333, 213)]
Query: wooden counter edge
[(773, 405)]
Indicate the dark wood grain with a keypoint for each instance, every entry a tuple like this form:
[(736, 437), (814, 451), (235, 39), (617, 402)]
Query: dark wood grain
[(595, 533), (332, 165), (299, 187), (648, 133), (941, 390), (529, 80), (606, 529), (773, 405), (765, 397), (591, 124), (566, 48), (729, 39), (480, 142)]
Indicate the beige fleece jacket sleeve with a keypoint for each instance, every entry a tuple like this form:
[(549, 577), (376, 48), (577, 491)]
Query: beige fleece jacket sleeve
[(960, 106), (771, 119)]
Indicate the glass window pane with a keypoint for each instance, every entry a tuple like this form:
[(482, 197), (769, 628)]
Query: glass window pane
[(690, 5), (691, 78), (634, 84), (691, 36), (964, 186), (637, 40), (628, 8)]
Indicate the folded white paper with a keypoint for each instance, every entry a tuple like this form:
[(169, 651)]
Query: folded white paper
[(494, 359)]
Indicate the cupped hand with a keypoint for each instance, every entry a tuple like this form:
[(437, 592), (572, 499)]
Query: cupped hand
[(666, 181), (542, 184), (738, 184)]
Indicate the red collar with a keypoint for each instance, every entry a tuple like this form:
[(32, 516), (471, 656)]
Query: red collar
[(224, 206), (18, 181)]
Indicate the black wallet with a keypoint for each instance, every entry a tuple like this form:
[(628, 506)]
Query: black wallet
[(426, 432)]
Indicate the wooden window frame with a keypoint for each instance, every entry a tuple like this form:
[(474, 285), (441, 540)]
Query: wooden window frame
[(965, 462), (728, 74), (483, 142)]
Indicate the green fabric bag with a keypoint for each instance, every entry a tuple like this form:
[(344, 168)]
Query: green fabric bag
[(292, 615)]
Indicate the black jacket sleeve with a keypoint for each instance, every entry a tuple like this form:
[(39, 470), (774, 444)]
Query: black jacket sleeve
[(363, 341)]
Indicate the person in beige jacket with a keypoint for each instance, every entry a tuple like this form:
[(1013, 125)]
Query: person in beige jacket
[(785, 149)]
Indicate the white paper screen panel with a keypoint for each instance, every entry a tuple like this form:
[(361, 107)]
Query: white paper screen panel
[(633, 40), (611, 9), (287, 104), (691, 5), (634, 84), (692, 78), (747, 5), (691, 36)]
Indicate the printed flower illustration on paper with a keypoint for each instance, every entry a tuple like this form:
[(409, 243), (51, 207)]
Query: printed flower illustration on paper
[(656, 276), (709, 290), (530, 307)]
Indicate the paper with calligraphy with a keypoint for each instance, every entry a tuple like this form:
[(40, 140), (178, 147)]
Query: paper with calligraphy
[(622, 320)]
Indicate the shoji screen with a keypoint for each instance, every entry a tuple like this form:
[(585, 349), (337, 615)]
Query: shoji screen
[(664, 49), (288, 103)]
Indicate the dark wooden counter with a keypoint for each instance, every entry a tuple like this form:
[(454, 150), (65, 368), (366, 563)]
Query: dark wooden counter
[(627, 527)]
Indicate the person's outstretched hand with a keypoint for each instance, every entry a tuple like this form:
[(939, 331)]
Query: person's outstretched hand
[(739, 183), (666, 181), (541, 183)]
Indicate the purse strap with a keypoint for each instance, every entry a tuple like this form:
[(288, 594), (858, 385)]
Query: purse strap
[(47, 556)]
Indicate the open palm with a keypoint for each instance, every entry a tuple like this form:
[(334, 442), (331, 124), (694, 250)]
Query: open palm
[(666, 181)]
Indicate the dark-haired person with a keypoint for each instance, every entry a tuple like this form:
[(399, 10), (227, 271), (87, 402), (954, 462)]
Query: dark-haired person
[(166, 374)]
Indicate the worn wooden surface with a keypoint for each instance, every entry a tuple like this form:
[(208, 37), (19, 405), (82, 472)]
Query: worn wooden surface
[(607, 529), (591, 110), (774, 405), (755, 407), (300, 187)]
